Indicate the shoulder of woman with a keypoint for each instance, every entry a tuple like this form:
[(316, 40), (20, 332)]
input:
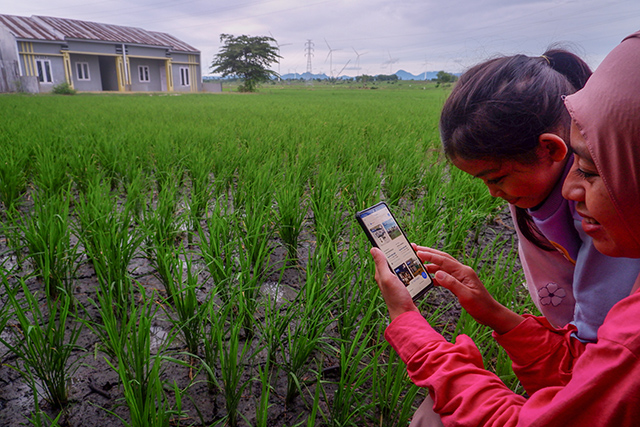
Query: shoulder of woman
[(622, 324)]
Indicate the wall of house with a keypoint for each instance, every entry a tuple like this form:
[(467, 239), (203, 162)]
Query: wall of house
[(79, 47), (30, 52), (192, 63), (154, 83), (95, 78), (146, 51)]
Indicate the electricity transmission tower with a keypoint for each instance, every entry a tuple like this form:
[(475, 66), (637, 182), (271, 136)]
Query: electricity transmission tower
[(309, 53)]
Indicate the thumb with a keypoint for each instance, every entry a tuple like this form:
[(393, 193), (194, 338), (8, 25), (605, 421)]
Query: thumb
[(382, 267), (447, 281)]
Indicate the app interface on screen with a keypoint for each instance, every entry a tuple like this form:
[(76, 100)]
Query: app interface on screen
[(397, 249)]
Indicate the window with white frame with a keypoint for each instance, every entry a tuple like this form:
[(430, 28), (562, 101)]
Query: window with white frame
[(143, 73), (44, 70), (184, 76), (82, 70)]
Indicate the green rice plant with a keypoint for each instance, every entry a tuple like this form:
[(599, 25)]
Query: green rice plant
[(427, 219), (254, 189), (363, 184), (189, 313), (215, 332), (262, 407), (292, 209), (469, 206), (315, 405), (253, 200), (108, 157), (224, 167), (163, 225), (277, 317), (254, 232), (140, 369), (44, 341), (401, 177), (247, 290), (233, 361), (162, 229), (111, 240), (306, 333), (109, 313), (352, 397), (394, 393), (328, 206), (199, 169), (217, 245), (14, 159), (167, 159), (4, 309), (136, 186), (82, 166), (50, 169), (356, 289), (46, 234), (38, 417)]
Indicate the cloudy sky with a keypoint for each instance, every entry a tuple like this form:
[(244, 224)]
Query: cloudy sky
[(354, 37)]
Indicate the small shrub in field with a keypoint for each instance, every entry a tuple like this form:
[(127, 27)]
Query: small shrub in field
[(63, 89)]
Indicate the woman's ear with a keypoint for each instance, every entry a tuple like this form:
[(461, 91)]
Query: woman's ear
[(553, 146)]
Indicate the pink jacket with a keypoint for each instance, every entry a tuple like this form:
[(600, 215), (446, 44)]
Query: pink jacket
[(570, 383)]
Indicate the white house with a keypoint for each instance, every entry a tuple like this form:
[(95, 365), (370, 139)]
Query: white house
[(39, 52)]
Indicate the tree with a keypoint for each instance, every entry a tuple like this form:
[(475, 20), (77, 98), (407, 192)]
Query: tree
[(246, 57), (444, 77)]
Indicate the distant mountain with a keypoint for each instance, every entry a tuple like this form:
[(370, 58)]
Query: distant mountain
[(304, 76), (402, 75)]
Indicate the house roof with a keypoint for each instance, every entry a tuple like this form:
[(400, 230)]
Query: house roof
[(28, 28), (60, 29)]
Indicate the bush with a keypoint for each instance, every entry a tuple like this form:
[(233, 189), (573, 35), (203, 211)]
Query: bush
[(63, 89)]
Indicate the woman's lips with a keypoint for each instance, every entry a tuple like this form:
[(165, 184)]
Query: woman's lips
[(589, 225)]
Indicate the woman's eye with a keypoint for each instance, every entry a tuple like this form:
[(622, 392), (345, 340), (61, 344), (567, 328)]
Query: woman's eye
[(495, 181), (583, 174)]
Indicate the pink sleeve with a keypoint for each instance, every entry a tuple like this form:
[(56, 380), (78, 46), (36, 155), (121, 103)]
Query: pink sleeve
[(454, 373), (552, 361), (602, 390)]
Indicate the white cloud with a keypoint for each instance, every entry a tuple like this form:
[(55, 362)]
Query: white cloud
[(406, 34)]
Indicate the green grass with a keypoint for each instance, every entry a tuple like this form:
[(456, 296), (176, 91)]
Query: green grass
[(239, 208)]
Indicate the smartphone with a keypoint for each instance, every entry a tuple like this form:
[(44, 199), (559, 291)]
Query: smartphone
[(383, 231)]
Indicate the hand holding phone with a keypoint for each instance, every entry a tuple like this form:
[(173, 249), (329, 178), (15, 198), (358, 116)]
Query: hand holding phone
[(383, 232)]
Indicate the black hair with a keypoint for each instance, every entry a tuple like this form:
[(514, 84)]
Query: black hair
[(500, 107)]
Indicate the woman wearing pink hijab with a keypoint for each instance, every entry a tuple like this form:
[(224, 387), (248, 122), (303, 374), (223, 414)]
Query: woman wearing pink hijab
[(569, 382)]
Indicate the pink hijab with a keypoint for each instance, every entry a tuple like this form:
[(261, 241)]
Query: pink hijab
[(607, 112)]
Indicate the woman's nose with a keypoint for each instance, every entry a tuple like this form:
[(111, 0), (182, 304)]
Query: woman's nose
[(571, 189)]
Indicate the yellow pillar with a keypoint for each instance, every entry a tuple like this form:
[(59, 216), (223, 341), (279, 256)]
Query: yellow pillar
[(169, 72), (68, 72), (29, 59), (120, 74), (192, 74)]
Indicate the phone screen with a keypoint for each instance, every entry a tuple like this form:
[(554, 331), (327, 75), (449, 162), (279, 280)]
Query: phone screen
[(384, 232)]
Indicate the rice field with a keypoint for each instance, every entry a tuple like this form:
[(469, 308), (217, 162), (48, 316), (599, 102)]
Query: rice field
[(193, 260)]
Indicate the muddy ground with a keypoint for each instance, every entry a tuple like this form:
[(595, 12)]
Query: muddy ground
[(95, 394)]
